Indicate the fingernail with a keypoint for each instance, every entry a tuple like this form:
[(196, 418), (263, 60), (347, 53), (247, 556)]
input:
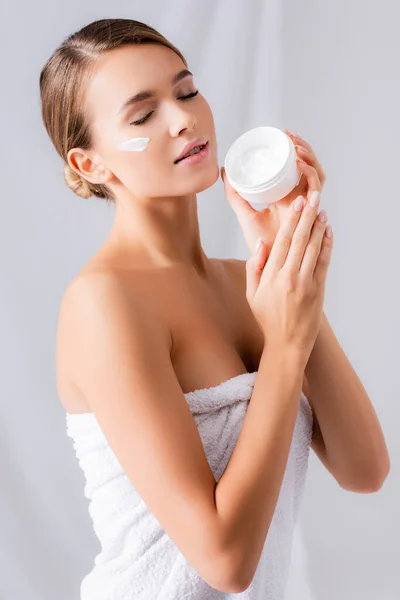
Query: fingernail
[(328, 231), (258, 245), (298, 203), (314, 198)]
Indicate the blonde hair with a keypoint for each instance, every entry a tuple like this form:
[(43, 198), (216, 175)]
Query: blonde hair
[(62, 88)]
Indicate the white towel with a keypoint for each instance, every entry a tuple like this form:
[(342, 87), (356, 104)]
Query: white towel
[(138, 560)]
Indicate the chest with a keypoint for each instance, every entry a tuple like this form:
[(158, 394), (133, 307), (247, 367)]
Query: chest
[(214, 334)]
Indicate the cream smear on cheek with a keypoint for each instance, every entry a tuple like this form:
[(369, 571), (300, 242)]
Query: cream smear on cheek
[(138, 144)]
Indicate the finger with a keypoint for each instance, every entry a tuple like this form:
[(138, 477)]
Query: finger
[(283, 238), (308, 152), (311, 174), (324, 258), (299, 140), (313, 249), (310, 158), (301, 237), (240, 206), (254, 269), (307, 156)]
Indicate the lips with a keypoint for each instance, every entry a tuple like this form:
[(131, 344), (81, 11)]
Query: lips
[(189, 147)]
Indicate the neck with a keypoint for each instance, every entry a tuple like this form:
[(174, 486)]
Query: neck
[(162, 231)]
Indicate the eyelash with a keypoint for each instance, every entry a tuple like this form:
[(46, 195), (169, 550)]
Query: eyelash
[(141, 121)]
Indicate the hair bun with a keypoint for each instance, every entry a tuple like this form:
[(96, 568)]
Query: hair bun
[(76, 183)]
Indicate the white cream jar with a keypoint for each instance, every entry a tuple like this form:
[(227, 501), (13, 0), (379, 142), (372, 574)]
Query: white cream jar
[(261, 165)]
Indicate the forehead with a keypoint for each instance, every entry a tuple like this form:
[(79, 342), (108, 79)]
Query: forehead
[(125, 71)]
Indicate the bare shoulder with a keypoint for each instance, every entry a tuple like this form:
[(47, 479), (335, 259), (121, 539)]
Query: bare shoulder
[(99, 299), (105, 292), (236, 269), (97, 288), (102, 305), (107, 288), (92, 291), (237, 264)]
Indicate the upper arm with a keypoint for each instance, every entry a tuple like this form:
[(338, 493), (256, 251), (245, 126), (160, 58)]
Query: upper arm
[(121, 363)]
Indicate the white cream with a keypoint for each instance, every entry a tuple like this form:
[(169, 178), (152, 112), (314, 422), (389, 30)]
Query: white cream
[(257, 165), (138, 144)]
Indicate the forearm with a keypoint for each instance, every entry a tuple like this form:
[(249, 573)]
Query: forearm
[(354, 442), (247, 493)]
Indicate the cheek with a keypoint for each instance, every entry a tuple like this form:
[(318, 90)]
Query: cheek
[(207, 112), (127, 166), (144, 173)]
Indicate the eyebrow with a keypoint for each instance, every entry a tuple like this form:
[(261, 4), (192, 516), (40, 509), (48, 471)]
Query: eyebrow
[(146, 94)]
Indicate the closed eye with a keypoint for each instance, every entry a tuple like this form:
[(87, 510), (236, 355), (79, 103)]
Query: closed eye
[(144, 119)]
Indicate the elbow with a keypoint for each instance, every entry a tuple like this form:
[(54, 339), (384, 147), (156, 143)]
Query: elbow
[(233, 565), (229, 586), (371, 483), (233, 574), (380, 478), (225, 582), (239, 581), (230, 583)]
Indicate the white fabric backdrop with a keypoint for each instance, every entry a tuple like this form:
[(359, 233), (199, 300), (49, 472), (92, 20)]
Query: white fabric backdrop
[(326, 70)]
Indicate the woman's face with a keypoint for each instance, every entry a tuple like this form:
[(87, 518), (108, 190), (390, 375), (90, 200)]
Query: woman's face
[(173, 122)]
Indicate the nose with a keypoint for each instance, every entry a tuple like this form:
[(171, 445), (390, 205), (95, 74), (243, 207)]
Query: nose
[(181, 119)]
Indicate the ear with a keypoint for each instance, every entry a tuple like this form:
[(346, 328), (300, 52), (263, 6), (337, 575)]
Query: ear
[(88, 166)]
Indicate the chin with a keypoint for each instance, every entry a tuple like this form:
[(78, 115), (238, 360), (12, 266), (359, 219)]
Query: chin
[(206, 179)]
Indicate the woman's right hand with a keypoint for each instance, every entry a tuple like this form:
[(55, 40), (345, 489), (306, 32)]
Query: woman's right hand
[(286, 290)]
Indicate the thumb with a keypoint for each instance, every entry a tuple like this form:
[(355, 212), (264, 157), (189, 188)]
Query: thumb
[(240, 206), (254, 269)]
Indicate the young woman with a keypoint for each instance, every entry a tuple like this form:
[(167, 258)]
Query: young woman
[(181, 375)]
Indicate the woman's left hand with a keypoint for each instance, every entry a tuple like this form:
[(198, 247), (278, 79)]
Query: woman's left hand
[(265, 223)]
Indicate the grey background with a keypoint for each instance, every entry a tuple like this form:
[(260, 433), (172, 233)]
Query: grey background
[(326, 70)]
